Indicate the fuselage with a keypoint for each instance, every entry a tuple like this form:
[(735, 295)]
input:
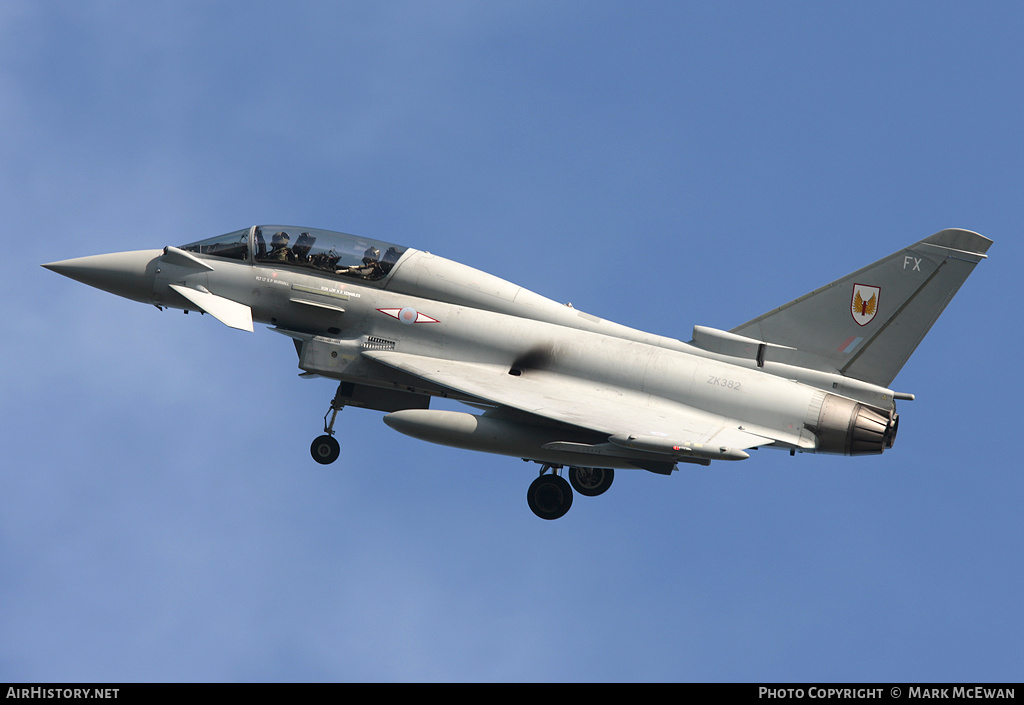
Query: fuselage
[(398, 327), (433, 307)]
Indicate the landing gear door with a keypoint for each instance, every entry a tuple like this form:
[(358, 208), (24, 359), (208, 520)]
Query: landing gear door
[(329, 357)]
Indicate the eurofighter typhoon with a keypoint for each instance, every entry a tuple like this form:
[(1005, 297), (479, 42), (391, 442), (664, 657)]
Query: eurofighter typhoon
[(547, 383)]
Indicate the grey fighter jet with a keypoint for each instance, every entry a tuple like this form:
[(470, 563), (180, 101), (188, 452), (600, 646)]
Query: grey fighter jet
[(396, 326)]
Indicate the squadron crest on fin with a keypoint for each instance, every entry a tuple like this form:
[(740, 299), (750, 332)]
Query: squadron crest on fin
[(864, 304)]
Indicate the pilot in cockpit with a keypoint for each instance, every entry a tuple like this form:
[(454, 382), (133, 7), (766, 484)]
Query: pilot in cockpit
[(369, 269), (279, 251)]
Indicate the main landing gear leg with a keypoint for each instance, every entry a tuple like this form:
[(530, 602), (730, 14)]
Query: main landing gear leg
[(325, 449), (549, 496)]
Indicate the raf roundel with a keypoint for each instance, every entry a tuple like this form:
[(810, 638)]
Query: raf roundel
[(407, 315)]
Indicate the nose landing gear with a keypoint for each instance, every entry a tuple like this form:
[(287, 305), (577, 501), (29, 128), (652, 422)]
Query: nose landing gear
[(325, 449)]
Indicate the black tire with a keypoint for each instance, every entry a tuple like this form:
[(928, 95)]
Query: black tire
[(590, 482), (325, 449), (549, 496)]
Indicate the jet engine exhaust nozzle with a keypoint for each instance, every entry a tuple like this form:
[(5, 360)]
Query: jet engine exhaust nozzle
[(847, 427)]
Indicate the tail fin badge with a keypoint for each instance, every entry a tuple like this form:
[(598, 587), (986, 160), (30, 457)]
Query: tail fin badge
[(864, 304)]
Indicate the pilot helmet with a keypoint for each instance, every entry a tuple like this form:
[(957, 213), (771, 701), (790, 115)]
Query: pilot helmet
[(372, 254), (280, 239)]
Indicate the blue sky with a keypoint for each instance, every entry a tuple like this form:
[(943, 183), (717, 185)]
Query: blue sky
[(660, 164)]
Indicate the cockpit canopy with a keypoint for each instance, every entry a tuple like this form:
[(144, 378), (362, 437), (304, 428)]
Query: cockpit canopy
[(289, 246)]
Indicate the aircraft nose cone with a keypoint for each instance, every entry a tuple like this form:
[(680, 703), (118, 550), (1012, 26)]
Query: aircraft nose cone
[(127, 274)]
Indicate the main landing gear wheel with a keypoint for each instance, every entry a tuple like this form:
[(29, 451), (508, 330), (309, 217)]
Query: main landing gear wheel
[(325, 449), (590, 482), (549, 496)]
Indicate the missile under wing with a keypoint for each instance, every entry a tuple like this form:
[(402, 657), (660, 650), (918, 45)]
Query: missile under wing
[(396, 327)]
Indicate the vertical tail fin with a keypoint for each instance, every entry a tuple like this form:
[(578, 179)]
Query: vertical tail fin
[(867, 324)]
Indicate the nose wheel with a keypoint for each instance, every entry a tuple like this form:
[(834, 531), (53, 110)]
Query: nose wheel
[(325, 449)]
